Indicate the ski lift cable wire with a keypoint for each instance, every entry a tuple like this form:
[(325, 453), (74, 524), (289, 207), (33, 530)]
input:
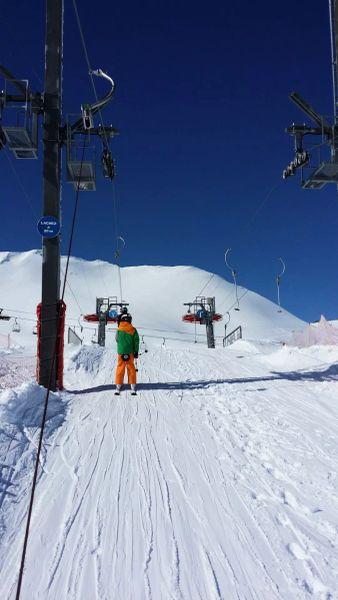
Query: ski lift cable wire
[(48, 390), (333, 56), (75, 298), (207, 283), (117, 256), (18, 47), (118, 237), (72, 291), (248, 223), (257, 210), (18, 178), (90, 70)]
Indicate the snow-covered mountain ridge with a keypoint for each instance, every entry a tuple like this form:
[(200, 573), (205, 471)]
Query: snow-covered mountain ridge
[(156, 295)]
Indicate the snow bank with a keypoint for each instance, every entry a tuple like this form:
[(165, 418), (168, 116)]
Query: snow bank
[(85, 363), (24, 405)]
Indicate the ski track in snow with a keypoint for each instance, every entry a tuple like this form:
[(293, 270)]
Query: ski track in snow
[(207, 489)]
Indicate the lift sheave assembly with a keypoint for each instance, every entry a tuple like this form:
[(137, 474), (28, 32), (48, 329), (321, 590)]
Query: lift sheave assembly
[(318, 163), (19, 130)]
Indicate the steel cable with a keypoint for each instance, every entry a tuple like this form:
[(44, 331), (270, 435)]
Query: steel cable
[(90, 70), (44, 415)]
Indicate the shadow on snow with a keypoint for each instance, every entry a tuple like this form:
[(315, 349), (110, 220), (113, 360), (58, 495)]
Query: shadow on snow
[(330, 374)]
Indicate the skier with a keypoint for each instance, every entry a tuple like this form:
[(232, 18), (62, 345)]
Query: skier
[(127, 349)]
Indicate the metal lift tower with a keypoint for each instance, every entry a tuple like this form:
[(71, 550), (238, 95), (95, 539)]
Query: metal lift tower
[(204, 313), (51, 191), (317, 171), (22, 139)]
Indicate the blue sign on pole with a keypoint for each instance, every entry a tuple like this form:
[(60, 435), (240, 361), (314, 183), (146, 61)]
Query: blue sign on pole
[(49, 227)]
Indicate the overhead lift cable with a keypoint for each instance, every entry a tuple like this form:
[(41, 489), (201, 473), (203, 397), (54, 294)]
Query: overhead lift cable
[(44, 415), (97, 108), (18, 178)]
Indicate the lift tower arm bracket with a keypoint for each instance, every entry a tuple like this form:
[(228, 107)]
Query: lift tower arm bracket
[(310, 112)]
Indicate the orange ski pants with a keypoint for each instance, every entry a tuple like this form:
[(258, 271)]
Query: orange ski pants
[(122, 365)]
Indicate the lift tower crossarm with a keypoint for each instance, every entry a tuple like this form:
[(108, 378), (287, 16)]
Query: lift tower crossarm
[(310, 112), (303, 130), (94, 108), (16, 82)]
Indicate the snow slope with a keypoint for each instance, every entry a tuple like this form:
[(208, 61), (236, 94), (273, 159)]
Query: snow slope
[(156, 296), (218, 481)]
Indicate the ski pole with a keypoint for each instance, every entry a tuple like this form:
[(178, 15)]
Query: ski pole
[(136, 359)]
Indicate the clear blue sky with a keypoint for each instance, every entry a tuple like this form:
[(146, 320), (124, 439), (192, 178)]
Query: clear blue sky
[(201, 103)]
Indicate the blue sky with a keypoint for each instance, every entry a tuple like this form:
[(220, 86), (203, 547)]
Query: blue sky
[(202, 104)]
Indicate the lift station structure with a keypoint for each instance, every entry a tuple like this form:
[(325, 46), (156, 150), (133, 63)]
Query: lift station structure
[(203, 311), (318, 163)]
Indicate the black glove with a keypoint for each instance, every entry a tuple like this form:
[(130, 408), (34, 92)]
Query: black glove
[(135, 354)]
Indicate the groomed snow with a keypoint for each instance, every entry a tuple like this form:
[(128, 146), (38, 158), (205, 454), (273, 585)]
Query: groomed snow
[(218, 481)]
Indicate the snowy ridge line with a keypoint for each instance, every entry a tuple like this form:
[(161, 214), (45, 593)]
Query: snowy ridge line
[(155, 295)]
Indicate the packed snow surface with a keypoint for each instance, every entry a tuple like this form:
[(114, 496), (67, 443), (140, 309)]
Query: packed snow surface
[(217, 481)]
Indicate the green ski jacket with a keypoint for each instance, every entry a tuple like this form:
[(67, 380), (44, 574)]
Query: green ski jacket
[(127, 338)]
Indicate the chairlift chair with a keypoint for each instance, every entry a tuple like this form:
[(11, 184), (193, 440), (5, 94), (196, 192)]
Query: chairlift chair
[(80, 173), (22, 137), (3, 317), (16, 326)]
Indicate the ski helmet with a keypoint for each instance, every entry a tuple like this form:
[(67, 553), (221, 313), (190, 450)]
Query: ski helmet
[(126, 317)]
